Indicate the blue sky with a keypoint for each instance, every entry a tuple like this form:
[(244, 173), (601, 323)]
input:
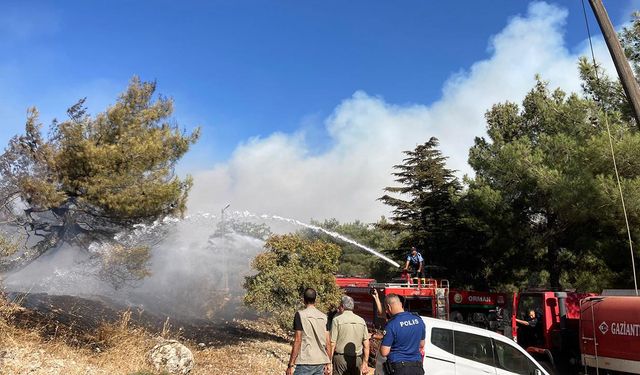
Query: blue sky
[(251, 71)]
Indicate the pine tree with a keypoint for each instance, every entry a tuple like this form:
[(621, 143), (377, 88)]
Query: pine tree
[(424, 202), (93, 176)]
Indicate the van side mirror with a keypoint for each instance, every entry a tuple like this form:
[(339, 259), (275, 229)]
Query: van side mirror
[(537, 372)]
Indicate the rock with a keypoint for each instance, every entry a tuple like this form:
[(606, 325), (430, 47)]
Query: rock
[(172, 357)]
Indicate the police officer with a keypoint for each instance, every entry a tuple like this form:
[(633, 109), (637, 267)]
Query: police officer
[(403, 340)]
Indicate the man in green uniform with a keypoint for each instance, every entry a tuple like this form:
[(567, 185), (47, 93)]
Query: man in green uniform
[(349, 341)]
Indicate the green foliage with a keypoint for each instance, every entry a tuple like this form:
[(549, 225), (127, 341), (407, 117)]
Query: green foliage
[(544, 195), (289, 265), (630, 40), (355, 261), (94, 175), (121, 265), (425, 211), (609, 92)]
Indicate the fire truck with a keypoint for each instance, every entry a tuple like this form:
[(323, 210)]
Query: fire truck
[(576, 333), (580, 332), (427, 297), (610, 334)]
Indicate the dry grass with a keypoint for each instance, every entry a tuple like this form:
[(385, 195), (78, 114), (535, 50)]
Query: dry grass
[(120, 348), (25, 350)]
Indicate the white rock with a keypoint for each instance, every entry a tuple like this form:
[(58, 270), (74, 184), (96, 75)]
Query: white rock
[(171, 356)]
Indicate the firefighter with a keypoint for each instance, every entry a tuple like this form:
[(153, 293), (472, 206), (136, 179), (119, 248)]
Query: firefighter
[(530, 329), (416, 261), (403, 340)]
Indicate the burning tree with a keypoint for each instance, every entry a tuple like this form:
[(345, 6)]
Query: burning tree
[(92, 176)]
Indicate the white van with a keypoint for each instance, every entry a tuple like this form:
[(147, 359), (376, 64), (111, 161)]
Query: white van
[(454, 348)]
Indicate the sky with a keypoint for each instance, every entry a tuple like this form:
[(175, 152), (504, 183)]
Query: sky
[(304, 106)]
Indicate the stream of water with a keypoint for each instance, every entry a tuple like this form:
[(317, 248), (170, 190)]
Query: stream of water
[(246, 214)]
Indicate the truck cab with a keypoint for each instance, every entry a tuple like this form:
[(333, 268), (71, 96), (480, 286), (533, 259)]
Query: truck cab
[(552, 334)]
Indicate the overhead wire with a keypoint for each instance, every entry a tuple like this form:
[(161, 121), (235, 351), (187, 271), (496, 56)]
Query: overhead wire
[(613, 155)]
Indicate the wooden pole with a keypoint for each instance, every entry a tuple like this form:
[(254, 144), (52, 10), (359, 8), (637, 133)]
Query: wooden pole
[(629, 83)]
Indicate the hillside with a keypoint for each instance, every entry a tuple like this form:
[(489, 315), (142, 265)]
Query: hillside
[(42, 334)]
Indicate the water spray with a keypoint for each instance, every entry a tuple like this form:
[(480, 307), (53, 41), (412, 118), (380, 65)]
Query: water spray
[(319, 229)]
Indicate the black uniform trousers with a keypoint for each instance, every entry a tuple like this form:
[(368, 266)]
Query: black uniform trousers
[(407, 368)]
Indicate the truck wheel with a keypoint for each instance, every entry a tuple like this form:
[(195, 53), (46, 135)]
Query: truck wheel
[(548, 367)]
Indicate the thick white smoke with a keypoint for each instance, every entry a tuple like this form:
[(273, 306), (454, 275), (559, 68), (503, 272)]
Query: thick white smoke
[(194, 273), (279, 174)]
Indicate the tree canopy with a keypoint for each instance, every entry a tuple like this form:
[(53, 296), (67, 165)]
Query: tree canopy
[(543, 208), (547, 166), (545, 200), (355, 261), (93, 175), (424, 203), (289, 265)]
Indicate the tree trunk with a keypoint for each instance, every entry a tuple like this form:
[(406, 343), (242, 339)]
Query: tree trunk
[(553, 265), (31, 254)]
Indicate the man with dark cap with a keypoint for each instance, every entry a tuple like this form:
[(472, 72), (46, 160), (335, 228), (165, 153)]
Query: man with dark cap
[(416, 261)]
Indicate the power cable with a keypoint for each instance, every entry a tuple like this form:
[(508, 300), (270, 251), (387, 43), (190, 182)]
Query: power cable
[(613, 154)]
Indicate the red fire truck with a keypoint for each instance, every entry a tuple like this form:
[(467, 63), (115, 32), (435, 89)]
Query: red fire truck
[(610, 334), (427, 297), (482, 309), (564, 340), (561, 340)]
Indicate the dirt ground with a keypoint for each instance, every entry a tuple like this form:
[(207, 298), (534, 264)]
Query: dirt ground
[(61, 335), (44, 334)]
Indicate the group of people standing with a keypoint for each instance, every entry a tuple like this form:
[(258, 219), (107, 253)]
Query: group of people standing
[(341, 347)]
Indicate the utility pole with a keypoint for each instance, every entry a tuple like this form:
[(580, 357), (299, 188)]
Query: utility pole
[(225, 250), (629, 83), (630, 86)]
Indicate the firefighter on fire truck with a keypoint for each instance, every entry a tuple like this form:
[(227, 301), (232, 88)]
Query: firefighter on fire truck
[(415, 262)]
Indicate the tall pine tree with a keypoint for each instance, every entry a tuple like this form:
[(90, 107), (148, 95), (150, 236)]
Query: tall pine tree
[(424, 202)]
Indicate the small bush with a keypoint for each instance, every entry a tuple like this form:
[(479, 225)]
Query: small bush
[(289, 265)]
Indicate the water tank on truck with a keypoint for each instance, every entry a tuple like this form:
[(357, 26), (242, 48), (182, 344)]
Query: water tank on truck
[(610, 334)]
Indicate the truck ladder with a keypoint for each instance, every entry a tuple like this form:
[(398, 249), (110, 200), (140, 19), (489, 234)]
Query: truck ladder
[(593, 339)]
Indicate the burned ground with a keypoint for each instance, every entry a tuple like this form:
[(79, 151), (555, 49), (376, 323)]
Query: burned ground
[(98, 335)]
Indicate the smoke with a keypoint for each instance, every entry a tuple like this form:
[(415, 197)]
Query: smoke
[(282, 174), (195, 272)]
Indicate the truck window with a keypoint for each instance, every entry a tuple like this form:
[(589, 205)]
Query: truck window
[(473, 347), (421, 306), (512, 360), (443, 339), (530, 335), (528, 303)]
